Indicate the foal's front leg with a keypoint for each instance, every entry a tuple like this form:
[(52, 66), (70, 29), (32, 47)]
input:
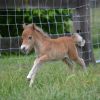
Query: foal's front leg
[(33, 71), (36, 63)]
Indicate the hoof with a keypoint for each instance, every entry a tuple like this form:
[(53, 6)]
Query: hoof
[(30, 85), (28, 79)]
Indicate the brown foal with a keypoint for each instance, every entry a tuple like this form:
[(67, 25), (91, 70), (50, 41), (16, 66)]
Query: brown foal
[(47, 49)]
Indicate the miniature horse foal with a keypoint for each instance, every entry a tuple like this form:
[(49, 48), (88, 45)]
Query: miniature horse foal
[(47, 49)]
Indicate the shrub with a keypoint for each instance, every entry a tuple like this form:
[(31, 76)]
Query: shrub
[(53, 21)]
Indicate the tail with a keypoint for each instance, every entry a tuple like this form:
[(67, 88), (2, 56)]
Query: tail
[(78, 39)]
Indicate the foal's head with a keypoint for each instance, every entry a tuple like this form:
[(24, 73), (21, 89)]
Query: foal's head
[(30, 34), (27, 38)]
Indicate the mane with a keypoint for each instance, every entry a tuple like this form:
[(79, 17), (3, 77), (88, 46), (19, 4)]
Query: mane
[(41, 31)]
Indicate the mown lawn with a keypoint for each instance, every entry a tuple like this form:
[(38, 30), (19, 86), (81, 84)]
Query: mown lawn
[(53, 82)]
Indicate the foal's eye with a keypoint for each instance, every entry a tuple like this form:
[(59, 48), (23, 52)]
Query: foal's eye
[(30, 37)]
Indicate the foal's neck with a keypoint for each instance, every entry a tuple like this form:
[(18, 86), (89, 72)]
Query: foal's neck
[(40, 40)]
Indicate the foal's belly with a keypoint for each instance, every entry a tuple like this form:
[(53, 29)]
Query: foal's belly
[(57, 54), (56, 50)]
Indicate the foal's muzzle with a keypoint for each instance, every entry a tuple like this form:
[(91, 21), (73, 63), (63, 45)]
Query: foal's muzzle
[(24, 49)]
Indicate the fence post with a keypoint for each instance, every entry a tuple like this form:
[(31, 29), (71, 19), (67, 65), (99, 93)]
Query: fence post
[(83, 11)]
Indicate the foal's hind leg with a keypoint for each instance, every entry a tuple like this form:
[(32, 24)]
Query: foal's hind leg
[(81, 62), (69, 63)]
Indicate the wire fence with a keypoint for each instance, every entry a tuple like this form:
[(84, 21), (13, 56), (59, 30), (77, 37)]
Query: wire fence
[(13, 15)]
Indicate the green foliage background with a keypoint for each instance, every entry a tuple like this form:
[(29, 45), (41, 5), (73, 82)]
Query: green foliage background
[(52, 20)]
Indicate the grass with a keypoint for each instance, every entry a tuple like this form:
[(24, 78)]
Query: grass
[(53, 82)]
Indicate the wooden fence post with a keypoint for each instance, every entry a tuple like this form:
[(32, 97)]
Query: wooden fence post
[(83, 11)]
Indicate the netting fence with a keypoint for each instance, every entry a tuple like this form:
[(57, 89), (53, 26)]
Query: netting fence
[(95, 24), (56, 17)]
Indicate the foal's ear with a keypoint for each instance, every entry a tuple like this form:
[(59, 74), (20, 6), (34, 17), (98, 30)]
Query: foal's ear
[(24, 25), (33, 26)]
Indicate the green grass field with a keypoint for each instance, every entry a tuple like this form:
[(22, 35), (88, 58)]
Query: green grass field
[(54, 81)]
